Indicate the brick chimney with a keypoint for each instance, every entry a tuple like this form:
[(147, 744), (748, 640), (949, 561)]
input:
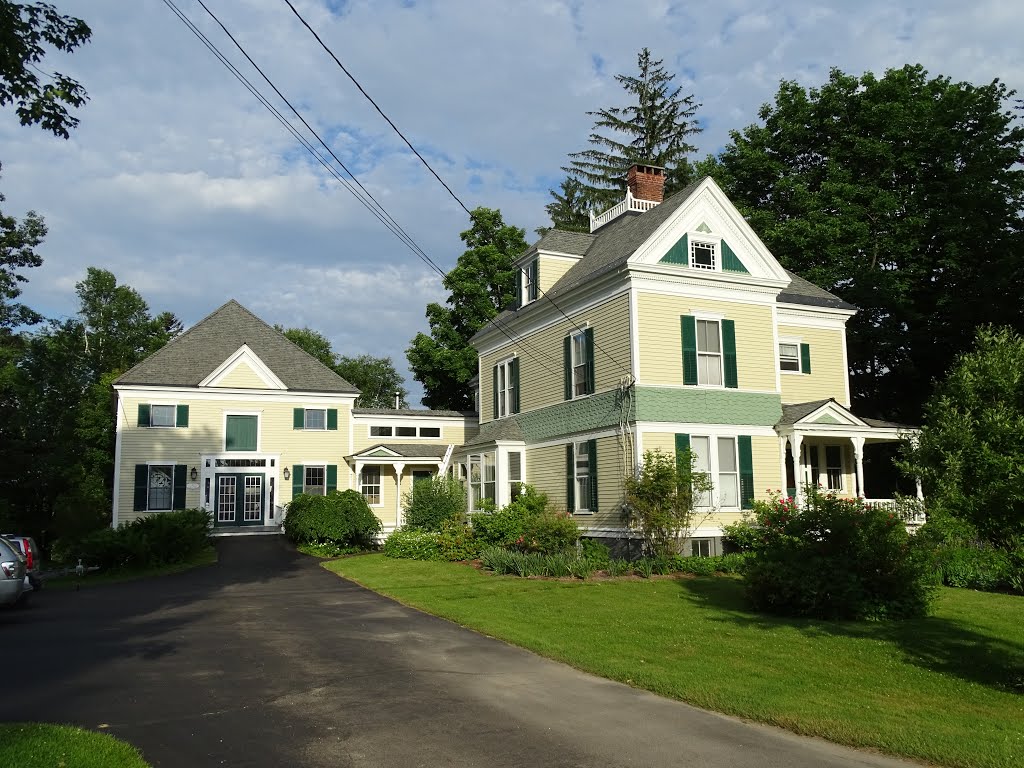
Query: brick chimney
[(646, 182)]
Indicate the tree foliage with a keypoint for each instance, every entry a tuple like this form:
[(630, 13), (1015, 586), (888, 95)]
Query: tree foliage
[(481, 285), (970, 453), (18, 241), (655, 128), (26, 29), (903, 196), (374, 377), (661, 501)]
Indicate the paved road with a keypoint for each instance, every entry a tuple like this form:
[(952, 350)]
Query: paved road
[(267, 660)]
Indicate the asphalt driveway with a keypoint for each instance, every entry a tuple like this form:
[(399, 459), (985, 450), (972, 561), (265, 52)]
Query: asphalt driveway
[(266, 659)]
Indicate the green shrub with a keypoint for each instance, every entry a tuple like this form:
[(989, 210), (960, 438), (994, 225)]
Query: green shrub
[(497, 559), (413, 544), (434, 501), (743, 535), (581, 568), (456, 541), (617, 567), (596, 552), (558, 564), (341, 517), (549, 532), (959, 558), (974, 567), (504, 527), (644, 567), (527, 563), (835, 559), (705, 566), (327, 550), (165, 538)]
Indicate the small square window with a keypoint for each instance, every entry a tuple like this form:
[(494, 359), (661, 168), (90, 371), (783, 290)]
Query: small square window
[(161, 415), (380, 431), (702, 255), (405, 431), (316, 418)]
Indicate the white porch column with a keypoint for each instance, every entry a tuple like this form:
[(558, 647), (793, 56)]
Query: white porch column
[(399, 469), (359, 474), (795, 442), (920, 489), (783, 442), (858, 455)]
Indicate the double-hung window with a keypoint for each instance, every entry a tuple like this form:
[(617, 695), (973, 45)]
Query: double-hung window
[(794, 357), (314, 481), (728, 473), (482, 479), (369, 484), (315, 418), (834, 467), (506, 388), (161, 488), (578, 352), (581, 480), (709, 353), (728, 463), (158, 415)]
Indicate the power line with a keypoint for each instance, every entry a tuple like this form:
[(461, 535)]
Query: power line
[(376, 209), (375, 105)]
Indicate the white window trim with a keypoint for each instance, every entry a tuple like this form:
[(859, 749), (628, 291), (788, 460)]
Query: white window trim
[(715, 244), (151, 425), (820, 473), (149, 470), (479, 458), (799, 358), (714, 473), (394, 429), (259, 431), (572, 360), (505, 395), (306, 410), (380, 484), (576, 479), (710, 318)]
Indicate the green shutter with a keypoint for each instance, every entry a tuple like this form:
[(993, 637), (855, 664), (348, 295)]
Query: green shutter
[(332, 418), (143, 416), (682, 445), (494, 392), (592, 466), (535, 282), (567, 365), (182, 416), (141, 487), (730, 261), (332, 477), (588, 337), (746, 472), (729, 353), (678, 253), (298, 418), (241, 433), (689, 329), (298, 477), (570, 480), (515, 384), (805, 358), (178, 499)]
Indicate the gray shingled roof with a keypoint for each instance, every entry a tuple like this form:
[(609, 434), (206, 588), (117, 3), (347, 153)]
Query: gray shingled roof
[(561, 241), (792, 413), (197, 353), (499, 429), (800, 291), (882, 424), (412, 412), (409, 450)]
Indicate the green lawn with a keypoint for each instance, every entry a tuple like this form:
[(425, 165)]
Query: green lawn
[(206, 557), (39, 745), (948, 688)]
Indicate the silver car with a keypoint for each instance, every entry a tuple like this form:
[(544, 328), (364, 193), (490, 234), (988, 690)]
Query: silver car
[(12, 573)]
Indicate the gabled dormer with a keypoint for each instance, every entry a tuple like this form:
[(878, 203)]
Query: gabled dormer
[(545, 262)]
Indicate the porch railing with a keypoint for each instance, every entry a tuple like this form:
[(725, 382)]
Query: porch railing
[(629, 204), (912, 515)]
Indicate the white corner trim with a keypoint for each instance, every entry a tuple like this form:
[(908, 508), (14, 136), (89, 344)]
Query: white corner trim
[(118, 410), (250, 358)]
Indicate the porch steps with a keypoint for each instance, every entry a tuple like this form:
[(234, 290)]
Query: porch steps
[(251, 530)]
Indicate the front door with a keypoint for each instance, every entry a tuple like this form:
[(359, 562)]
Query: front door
[(240, 499)]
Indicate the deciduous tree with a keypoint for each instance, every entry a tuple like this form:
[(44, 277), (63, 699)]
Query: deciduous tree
[(481, 285), (901, 194)]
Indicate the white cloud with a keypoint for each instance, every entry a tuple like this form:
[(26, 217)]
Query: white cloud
[(187, 189)]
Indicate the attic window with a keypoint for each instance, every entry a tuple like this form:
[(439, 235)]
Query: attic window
[(702, 255)]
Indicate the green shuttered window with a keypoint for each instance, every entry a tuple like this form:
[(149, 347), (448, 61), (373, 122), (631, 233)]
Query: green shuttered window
[(332, 477), (721, 457), (578, 363), (315, 419), (805, 358), (709, 352), (159, 487), (158, 415), (581, 489)]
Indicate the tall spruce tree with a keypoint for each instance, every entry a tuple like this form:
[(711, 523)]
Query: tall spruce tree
[(655, 129), (480, 286)]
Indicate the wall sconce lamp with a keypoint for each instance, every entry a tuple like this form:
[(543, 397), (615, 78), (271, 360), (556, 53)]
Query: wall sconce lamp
[(287, 474), (194, 473)]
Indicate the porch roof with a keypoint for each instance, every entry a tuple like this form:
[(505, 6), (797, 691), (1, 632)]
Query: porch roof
[(402, 451), (831, 417), (499, 429)]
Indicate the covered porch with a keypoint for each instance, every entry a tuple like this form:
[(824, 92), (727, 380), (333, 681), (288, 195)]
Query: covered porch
[(823, 444), (385, 471)]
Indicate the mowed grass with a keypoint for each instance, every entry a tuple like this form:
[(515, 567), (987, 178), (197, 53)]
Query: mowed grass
[(948, 688), (40, 745), (207, 557)]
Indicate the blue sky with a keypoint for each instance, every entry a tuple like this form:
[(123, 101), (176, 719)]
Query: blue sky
[(180, 183)]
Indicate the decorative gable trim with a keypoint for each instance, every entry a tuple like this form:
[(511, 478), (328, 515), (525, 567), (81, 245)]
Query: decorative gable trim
[(708, 208), (832, 414), (245, 356)]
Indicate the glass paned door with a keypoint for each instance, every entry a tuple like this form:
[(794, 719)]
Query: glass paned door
[(240, 499)]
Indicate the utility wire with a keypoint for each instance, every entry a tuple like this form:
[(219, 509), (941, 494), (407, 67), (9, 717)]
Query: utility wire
[(376, 209), (375, 105), (362, 90)]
